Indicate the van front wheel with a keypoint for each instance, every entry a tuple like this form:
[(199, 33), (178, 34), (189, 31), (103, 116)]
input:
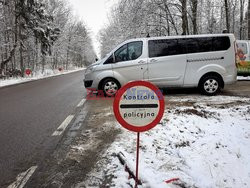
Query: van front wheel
[(110, 87), (210, 85)]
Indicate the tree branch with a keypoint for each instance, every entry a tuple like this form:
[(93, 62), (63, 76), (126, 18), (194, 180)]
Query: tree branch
[(3, 2)]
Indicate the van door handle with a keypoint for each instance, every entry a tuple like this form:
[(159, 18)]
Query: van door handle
[(153, 60), (140, 62)]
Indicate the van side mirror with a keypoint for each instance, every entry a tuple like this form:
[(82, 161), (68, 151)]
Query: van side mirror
[(113, 57)]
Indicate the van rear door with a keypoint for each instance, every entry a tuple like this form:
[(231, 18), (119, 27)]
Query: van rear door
[(208, 54)]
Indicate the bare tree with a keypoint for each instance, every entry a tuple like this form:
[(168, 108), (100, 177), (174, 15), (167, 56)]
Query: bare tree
[(248, 17), (242, 3), (37, 35), (227, 15), (184, 17), (194, 6)]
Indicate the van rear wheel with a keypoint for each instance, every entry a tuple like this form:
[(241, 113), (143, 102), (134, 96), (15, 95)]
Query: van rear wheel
[(210, 85), (110, 87)]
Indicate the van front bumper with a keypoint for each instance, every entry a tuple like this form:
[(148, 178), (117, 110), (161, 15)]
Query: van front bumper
[(88, 83)]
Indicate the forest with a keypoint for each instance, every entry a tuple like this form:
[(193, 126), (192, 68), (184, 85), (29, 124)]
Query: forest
[(39, 35), (139, 18), (44, 34)]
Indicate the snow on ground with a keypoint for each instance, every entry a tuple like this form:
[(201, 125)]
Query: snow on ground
[(203, 141), (36, 76), (243, 77)]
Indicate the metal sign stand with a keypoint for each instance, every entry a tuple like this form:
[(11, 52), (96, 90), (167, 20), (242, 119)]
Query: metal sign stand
[(137, 159)]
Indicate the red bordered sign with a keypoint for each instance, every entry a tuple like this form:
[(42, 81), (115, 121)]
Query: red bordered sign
[(139, 106), (28, 72)]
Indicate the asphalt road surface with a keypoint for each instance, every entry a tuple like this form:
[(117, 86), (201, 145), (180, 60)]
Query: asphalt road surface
[(29, 114)]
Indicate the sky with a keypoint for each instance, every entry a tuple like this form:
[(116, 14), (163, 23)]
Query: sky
[(94, 13)]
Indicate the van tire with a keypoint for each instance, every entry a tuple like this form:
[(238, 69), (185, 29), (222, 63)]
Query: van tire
[(110, 87), (210, 85)]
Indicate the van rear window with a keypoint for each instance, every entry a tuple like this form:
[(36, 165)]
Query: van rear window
[(221, 43), (168, 47)]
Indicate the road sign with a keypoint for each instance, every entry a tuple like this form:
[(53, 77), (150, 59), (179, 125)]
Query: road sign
[(28, 71), (139, 106)]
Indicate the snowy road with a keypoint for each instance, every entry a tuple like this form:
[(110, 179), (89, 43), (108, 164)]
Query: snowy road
[(29, 114)]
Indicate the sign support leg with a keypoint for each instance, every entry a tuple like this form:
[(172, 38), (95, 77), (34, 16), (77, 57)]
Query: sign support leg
[(137, 159)]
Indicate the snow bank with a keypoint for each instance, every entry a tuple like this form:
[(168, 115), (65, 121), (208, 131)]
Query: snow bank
[(203, 141), (36, 76), (243, 77)]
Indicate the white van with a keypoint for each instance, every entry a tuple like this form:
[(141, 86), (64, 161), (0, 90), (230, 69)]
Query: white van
[(204, 61), (243, 62)]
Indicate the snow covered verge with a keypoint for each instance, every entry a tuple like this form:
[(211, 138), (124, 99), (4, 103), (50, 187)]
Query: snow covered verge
[(203, 141), (243, 77), (36, 76)]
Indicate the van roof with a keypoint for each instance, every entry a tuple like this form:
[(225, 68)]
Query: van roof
[(182, 36)]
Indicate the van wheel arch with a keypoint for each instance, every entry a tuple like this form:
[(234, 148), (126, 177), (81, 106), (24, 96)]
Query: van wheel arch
[(213, 76)]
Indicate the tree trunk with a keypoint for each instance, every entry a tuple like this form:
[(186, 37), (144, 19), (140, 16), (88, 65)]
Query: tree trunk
[(67, 60), (248, 17), (21, 50), (160, 23), (67, 56), (233, 15), (168, 27), (9, 53), (168, 13), (43, 62), (37, 59), (242, 2), (4, 62), (55, 61), (227, 16), (15, 36), (194, 4), (184, 17), (21, 59)]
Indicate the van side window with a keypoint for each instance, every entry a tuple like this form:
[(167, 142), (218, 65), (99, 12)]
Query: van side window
[(166, 47), (121, 54), (109, 60), (207, 44), (130, 51), (199, 45), (134, 50)]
